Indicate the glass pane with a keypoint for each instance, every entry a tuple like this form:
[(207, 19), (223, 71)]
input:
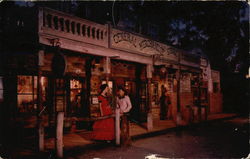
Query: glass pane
[(25, 103), (75, 84), (35, 84), (110, 84), (44, 83), (75, 96), (24, 84)]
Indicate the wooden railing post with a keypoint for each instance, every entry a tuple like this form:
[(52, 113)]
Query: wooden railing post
[(59, 135), (117, 126), (149, 95), (124, 130)]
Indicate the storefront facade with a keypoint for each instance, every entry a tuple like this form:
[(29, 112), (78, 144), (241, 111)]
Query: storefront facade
[(77, 56)]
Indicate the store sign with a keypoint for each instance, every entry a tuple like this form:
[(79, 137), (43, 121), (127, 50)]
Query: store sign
[(132, 43)]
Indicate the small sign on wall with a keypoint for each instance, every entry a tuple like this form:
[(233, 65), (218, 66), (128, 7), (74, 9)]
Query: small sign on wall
[(94, 100)]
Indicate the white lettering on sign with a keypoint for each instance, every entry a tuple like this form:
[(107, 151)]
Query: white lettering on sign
[(123, 36), (134, 43), (151, 44)]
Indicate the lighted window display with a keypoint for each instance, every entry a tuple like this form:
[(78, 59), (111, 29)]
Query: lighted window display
[(110, 84), (155, 97), (27, 93), (185, 82), (75, 96), (44, 83), (143, 95)]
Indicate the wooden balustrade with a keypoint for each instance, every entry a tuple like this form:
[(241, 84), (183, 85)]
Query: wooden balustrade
[(63, 25)]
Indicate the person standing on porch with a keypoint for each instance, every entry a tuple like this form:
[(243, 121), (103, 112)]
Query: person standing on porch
[(164, 103), (124, 104), (123, 100), (104, 129)]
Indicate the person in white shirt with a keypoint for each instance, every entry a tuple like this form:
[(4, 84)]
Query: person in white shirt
[(123, 101), (124, 104)]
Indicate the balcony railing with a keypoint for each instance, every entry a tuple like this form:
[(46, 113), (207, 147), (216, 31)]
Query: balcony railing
[(52, 22), (55, 24)]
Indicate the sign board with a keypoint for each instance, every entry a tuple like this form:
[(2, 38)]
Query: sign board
[(133, 43)]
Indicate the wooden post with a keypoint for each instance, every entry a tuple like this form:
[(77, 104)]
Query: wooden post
[(87, 85), (149, 94), (107, 68), (199, 99), (59, 134), (41, 136), (149, 115), (124, 131), (178, 116), (39, 102), (117, 126)]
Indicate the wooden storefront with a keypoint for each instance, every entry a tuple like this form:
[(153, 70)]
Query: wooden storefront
[(92, 54)]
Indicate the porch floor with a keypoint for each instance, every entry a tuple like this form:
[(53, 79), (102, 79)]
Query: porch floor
[(81, 139)]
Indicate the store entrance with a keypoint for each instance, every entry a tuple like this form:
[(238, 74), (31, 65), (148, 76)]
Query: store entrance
[(138, 96)]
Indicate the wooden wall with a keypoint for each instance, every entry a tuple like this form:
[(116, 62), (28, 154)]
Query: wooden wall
[(75, 65), (215, 103)]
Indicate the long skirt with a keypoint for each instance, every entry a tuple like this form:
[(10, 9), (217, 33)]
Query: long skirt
[(104, 129)]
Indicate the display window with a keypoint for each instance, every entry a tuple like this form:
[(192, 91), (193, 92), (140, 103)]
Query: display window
[(27, 94)]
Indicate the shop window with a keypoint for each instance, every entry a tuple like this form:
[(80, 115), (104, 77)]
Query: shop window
[(143, 95), (75, 88), (75, 96), (27, 94), (44, 83), (110, 83), (1, 89), (155, 97)]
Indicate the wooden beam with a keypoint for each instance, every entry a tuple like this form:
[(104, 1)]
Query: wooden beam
[(59, 135)]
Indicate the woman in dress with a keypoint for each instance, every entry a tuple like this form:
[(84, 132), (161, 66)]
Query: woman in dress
[(104, 129)]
